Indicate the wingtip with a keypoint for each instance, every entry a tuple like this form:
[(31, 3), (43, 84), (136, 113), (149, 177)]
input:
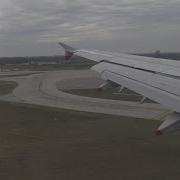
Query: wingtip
[(66, 47), (69, 51), (61, 44)]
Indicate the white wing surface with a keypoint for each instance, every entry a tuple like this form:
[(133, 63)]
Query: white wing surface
[(156, 79)]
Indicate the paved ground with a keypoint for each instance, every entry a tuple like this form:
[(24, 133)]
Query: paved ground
[(41, 89)]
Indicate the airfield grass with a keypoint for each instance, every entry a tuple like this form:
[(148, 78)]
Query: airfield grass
[(126, 95), (44, 143), (7, 87)]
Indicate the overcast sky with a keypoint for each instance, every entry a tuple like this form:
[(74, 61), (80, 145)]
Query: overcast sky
[(34, 27)]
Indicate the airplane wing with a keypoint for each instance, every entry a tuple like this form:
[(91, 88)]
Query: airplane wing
[(154, 78)]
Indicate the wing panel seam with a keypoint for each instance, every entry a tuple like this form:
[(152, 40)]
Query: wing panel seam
[(141, 69)]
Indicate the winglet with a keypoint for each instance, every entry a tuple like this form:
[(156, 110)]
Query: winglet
[(69, 51)]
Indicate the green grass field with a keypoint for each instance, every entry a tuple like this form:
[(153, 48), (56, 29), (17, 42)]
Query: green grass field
[(7, 87), (44, 143), (126, 95)]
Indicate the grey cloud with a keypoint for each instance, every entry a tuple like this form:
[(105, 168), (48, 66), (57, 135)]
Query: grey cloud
[(122, 25)]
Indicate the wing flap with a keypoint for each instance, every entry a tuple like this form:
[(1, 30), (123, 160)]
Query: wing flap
[(171, 123), (127, 78)]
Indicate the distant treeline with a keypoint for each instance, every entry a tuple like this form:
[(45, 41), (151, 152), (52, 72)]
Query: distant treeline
[(166, 55), (43, 60), (74, 60)]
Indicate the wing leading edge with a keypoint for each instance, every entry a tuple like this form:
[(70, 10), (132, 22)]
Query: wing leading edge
[(156, 79)]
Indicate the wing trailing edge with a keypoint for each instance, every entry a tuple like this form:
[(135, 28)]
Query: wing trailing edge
[(171, 123)]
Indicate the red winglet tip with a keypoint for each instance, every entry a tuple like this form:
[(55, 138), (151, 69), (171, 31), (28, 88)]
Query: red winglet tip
[(159, 133), (67, 58), (68, 55)]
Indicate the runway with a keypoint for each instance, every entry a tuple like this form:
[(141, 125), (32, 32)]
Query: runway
[(42, 88)]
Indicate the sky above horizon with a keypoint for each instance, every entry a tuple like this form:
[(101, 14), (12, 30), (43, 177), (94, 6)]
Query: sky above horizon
[(34, 27)]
